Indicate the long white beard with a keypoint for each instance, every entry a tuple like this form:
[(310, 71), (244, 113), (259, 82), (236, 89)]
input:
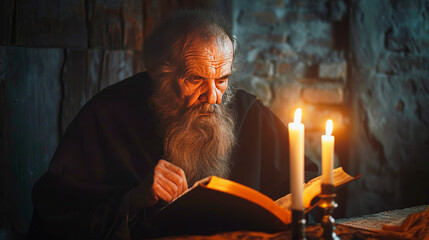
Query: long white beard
[(200, 145)]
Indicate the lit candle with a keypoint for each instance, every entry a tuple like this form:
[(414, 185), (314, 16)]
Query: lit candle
[(296, 158), (328, 142)]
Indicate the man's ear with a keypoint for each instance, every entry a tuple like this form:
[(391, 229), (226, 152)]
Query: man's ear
[(179, 86), (178, 79)]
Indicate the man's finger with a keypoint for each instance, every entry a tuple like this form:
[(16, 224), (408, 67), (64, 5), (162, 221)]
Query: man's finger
[(173, 168), (184, 181), (161, 193), (170, 176), (174, 174), (182, 175), (171, 187)]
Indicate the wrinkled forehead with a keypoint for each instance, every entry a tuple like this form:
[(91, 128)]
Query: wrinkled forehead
[(209, 48)]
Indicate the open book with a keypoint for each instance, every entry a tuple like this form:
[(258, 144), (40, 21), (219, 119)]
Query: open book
[(215, 204)]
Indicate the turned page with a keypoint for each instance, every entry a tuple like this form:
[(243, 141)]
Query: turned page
[(312, 188)]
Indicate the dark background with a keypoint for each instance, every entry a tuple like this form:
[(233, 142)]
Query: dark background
[(364, 64)]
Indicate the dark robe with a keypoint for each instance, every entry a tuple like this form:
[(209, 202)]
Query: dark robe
[(112, 145)]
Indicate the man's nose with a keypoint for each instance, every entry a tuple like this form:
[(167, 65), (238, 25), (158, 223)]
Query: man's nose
[(209, 94)]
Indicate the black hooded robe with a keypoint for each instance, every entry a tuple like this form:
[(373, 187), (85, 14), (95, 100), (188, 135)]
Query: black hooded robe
[(111, 146)]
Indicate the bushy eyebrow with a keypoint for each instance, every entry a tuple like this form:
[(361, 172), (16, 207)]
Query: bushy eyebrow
[(225, 76), (203, 78)]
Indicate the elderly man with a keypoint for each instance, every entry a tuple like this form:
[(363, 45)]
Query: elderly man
[(141, 142)]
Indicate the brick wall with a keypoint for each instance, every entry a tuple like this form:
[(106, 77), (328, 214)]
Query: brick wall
[(293, 55)]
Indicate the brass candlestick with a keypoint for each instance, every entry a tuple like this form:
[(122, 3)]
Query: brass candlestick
[(328, 204), (298, 225)]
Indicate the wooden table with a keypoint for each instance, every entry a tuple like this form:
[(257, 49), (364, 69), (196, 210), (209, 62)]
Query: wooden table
[(365, 227)]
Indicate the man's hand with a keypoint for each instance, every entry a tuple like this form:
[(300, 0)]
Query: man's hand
[(167, 183)]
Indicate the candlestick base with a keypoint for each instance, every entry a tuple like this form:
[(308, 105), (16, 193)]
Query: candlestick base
[(328, 204), (298, 225)]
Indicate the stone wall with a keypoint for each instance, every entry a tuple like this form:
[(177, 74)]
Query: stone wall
[(390, 100), (293, 55)]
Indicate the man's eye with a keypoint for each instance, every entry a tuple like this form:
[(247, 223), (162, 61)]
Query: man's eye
[(223, 81), (194, 80)]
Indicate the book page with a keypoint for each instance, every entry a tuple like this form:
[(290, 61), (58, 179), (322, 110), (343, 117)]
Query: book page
[(376, 222), (313, 188)]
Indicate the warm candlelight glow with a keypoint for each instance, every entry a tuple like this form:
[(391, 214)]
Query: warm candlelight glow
[(329, 127), (298, 113)]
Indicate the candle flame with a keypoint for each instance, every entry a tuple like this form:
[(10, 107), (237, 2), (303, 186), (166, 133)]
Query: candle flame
[(329, 127), (298, 113)]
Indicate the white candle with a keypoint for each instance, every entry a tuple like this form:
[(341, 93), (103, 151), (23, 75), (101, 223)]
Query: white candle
[(296, 158), (328, 142)]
